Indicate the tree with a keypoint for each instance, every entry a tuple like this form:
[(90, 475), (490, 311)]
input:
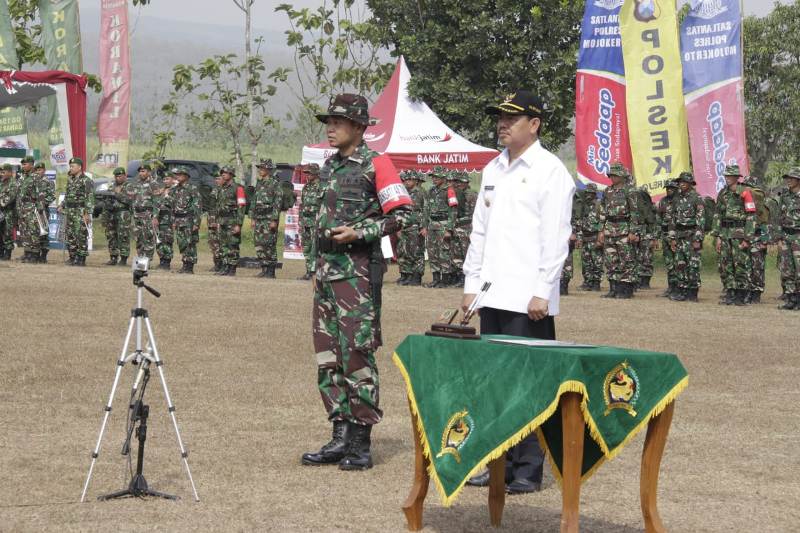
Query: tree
[(246, 7), (464, 55), (771, 78), (335, 50)]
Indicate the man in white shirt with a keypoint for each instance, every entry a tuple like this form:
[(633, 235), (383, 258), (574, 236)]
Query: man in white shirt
[(519, 241)]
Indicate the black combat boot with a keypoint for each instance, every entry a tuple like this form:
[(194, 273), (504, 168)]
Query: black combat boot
[(222, 270), (668, 291), (123, 261), (437, 279), (182, 270), (270, 272), (563, 287), (444, 281), (230, 271), (26, 258), (188, 268), (691, 295), (748, 297), (164, 264), (679, 295), (739, 297), (334, 450), (729, 298), (790, 302), (70, 260), (358, 456), (111, 262), (755, 297), (585, 286), (415, 280), (263, 273), (80, 261), (644, 283), (625, 290), (43, 256), (402, 279), (5, 256), (460, 280), (596, 286), (612, 290)]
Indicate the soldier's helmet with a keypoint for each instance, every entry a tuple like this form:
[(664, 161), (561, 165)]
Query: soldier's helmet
[(312, 168), (120, 171), (591, 188), (27, 159), (618, 169), (732, 170), (687, 177), (671, 184), (39, 165), (227, 169), (266, 163), (350, 106), (794, 173), (179, 170)]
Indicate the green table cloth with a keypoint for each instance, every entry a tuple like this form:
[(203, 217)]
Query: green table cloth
[(473, 400)]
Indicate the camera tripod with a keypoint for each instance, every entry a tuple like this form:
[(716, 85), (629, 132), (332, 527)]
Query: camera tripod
[(138, 411)]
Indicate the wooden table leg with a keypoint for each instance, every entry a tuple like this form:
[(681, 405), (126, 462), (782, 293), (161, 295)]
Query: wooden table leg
[(572, 427), (654, 443), (497, 489), (413, 504)]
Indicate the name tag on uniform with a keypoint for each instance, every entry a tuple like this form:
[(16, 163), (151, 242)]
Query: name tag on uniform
[(487, 189)]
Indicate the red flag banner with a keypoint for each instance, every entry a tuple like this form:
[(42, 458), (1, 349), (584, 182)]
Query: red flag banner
[(113, 120)]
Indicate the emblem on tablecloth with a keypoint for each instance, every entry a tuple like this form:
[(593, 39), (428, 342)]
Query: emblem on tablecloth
[(456, 434), (621, 389)]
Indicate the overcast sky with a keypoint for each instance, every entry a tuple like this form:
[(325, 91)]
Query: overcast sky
[(225, 12)]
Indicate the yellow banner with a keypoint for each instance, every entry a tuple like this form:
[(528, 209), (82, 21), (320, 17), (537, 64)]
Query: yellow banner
[(654, 85)]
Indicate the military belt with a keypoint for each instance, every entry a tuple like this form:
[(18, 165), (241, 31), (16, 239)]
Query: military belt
[(732, 223), (142, 209), (685, 227), (791, 231), (73, 205), (164, 212), (226, 214), (181, 215), (329, 246), (439, 218), (664, 227), (618, 219), (261, 211)]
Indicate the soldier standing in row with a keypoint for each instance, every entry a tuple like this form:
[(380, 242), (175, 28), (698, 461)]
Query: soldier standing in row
[(411, 239), (231, 202), (310, 200), (789, 240), (265, 214), (118, 220), (186, 214), (145, 212), (49, 188), (568, 268), (647, 242), (441, 211), (77, 208), (589, 227), (664, 220), (213, 227), (8, 199), (758, 248), (31, 203), (621, 229), (734, 228), (686, 235), (463, 228), (165, 236)]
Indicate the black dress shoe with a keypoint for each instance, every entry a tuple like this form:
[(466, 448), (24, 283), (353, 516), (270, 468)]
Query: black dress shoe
[(523, 486), (480, 480)]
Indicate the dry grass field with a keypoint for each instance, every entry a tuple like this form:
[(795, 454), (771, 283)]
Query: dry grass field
[(240, 367)]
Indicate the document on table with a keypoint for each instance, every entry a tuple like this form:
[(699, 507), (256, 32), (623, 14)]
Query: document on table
[(541, 343)]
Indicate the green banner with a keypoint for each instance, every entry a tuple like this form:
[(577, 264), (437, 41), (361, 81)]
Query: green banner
[(473, 400), (61, 38), (13, 126)]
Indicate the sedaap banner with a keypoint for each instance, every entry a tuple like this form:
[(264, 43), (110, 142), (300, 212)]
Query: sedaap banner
[(711, 49), (601, 120), (652, 57)]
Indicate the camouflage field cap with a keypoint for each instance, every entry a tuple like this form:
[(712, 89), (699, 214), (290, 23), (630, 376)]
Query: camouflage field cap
[(179, 170), (753, 181), (227, 169), (618, 169), (793, 174), (120, 171), (350, 106), (312, 168), (439, 172), (39, 165), (145, 166), (76, 161), (407, 175), (671, 184), (419, 175), (688, 177), (27, 159), (590, 188), (266, 163), (732, 170), (7, 166), (463, 177)]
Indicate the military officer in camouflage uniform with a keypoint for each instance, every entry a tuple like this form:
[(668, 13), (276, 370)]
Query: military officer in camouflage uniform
[(186, 213), (759, 246), (231, 202), (363, 201), (621, 230), (33, 197), (411, 243), (789, 240), (441, 212), (463, 229), (735, 229), (457, 254), (145, 206), (646, 245), (213, 228), (774, 226), (664, 221), (118, 219), (265, 214), (589, 226), (77, 208), (49, 188), (310, 200), (8, 202), (567, 270), (165, 235), (686, 234)]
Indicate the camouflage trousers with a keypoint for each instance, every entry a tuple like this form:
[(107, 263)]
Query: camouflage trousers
[(166, 236), (460, 245), (145, 236), (266, 242), (307, 234), (789, 264), (759, 271), (592, 261), (644, 258), (620, 259), (687, 263), (76, 235), (187, 238), (6, 234), (439, 249), (213, 239), (118, 233), (411, 251), (669, 261), (229, 243), (735, 265), (346, 333), (569, 264), (28, 226)]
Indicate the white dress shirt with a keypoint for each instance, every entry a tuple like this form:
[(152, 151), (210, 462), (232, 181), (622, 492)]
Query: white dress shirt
[(520, 230)]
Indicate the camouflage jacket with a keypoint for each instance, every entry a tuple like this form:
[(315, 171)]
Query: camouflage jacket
[(688, 216), (8, 196), (228, 209), (31, 194), (143, 199), (418, 196), (466, 210), (212, 205), (310, 200), (350, 198), (789, 213), (664, 214), (731, 221), (165, 203), (437, 208), (80, 193), (266, 202), (590, 222), (647, 216), (619, 211), (120, 198), (186, 209)]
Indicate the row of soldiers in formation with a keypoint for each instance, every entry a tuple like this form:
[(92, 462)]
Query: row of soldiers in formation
[(619, 232), (24, 201)]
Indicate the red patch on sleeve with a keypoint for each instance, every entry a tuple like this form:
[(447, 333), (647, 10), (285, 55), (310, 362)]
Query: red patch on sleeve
[(452, 199), (749, 203), (241, 197), (391, 191)]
